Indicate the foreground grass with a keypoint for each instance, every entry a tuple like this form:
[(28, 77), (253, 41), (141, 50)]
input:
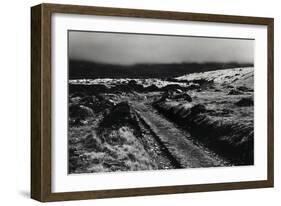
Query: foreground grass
[(110, 145), (227, 136)]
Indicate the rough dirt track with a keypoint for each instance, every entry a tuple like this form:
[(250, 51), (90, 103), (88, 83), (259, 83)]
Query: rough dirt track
[(186, 153)]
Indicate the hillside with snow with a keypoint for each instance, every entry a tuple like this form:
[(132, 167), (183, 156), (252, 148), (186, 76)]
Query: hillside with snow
[(234, 77)]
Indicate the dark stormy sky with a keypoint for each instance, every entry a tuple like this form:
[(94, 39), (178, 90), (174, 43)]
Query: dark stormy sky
[(126, 49)]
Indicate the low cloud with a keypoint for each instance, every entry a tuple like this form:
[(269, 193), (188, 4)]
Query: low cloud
[(126, 49)]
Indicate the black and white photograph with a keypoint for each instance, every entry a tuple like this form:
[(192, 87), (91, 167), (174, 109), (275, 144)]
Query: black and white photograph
[(141, 102)]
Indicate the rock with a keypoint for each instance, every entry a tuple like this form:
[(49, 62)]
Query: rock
[(178, 91), (151, 88), (202, 82), (245, 102), (229, 87), (245, 89), (193, 86), (80, 112), (199, 108), (234, 92), (184, 96), (172, 87), (132, 82), (92, 142)]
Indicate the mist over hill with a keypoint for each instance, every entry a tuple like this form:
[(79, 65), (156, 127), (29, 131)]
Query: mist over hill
[(90, 70)]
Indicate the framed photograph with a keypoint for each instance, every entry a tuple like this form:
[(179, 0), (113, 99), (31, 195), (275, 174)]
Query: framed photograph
[(132, 102)]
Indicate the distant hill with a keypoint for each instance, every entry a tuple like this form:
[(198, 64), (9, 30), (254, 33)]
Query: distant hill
[(91, 70), (235, 77)]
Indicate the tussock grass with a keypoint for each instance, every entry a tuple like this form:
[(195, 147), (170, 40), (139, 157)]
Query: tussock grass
[(112, 146), (84, 107), (231, 139)]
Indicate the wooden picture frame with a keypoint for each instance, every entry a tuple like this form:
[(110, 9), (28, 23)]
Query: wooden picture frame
[(41, 116)]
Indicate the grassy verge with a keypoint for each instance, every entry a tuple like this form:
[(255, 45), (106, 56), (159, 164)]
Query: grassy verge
[(230, 139)]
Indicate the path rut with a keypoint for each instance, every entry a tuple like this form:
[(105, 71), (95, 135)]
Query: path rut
[(187, 154)]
